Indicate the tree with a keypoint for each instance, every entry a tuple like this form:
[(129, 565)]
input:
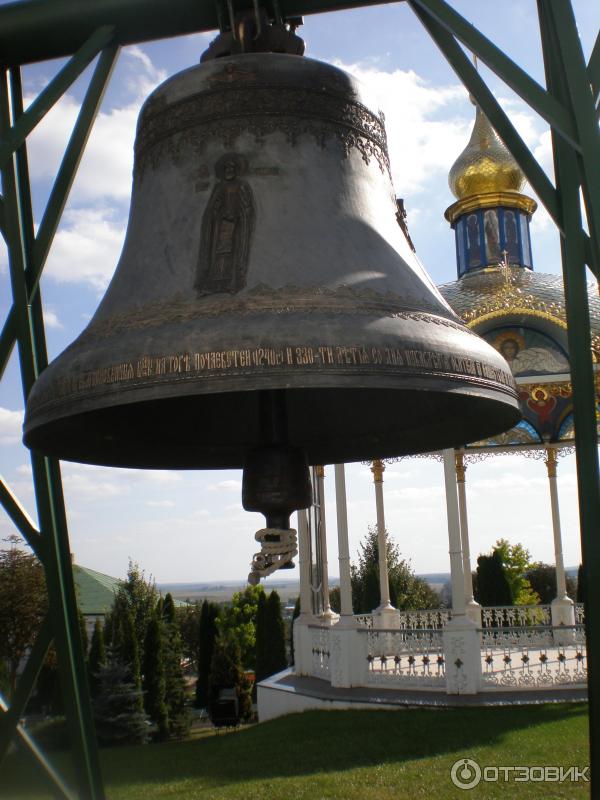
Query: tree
[(295, 615), (23, 605), (270, 638), (140, 597), (188, 617), (516, 560), (154, 683), (492, 587), (542, 579), (239, 619), (407, 590), (97, 657), (178, 716), (122, 641), (581, 584), (118, 707), (207, 634), (226, 673)]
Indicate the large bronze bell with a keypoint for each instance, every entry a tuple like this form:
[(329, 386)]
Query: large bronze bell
[(266, 296)]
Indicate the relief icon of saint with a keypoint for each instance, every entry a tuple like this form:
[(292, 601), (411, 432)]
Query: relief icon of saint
[(227, 227)]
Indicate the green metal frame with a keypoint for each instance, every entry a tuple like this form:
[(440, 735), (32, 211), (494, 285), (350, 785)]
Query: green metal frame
[(33, 30)]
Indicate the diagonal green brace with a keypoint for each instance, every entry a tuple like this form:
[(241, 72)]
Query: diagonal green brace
[(10, 718), (555, 114), (21, 520), (593, 70), (491, 108), (584, 114), (14, 136)]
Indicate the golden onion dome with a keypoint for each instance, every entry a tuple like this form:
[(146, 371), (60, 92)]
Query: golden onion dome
[(485, 165)]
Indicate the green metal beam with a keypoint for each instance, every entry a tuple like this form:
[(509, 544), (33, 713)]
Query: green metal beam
[(14, 137), (70, 163), (534, 95), (63, 790), (584, 113), (21, 520), (593, 69), (37, 30), (46, 475), (489, 105), (10, 718), (582, 371)]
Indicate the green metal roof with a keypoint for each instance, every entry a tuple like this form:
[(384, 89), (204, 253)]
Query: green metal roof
[(95, 591)]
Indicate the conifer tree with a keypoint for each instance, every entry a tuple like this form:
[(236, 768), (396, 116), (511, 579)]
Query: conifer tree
[(207, 635), (154, 684), (97, 657), (179, 718), (276, 634), (226, 673), (118, 707)]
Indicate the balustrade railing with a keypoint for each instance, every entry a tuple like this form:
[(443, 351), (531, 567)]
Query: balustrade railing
[(549, 657), (579, 613), (405, 658), (422, 619), (515, 616), (320, 649)]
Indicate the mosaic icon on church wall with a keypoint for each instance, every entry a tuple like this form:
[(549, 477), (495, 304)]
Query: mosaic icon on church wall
[(529, 352)]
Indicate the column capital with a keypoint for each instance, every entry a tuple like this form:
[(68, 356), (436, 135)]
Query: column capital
[(461, 467), (320, 471), (551, 461), (377, 468)]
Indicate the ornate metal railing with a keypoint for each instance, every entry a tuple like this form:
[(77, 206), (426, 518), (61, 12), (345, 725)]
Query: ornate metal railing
[(579, 613), (515, 616), (320, 649), (405, 658), (421, 619), (537, 658)]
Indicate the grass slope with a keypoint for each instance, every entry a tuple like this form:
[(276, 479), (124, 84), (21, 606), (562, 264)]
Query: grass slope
[(350, 755)]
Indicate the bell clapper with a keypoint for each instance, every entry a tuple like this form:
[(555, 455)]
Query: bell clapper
[(276, 482)]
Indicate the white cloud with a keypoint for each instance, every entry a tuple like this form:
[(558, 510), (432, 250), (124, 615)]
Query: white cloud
[(226, 486), (106, 166), (51, 319), (160, 504), (87, 247), (422, 146), (11, 423)]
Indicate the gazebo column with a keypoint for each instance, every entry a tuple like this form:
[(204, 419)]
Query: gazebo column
[(563, 608), (347, 647), (343, 547), (462, 650), (388, 616), (302, 637), (473, 609), (327, 614)]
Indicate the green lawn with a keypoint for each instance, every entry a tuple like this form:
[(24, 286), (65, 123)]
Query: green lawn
[(351, 755)]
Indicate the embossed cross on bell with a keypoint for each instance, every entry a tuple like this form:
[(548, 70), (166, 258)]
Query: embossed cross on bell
[(267, 310)]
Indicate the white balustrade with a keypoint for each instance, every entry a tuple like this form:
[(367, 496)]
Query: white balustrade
[(514, 616), (405, 658), (321, 650), (535, 665), (579, 613)]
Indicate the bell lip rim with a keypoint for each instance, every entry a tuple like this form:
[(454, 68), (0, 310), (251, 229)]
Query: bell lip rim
[(470, 386)]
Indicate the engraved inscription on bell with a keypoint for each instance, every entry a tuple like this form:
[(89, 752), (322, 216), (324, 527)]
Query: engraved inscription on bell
[(227, 227)]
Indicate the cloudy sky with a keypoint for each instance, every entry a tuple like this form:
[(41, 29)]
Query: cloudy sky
[(190, 526)]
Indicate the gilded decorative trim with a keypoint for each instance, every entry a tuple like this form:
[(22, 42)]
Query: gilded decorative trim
[(461, 467), (551, 461), (377, 468), (490, 200), (479, 315)]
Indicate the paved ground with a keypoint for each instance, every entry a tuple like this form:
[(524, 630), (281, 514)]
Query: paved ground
[(314, 687)]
